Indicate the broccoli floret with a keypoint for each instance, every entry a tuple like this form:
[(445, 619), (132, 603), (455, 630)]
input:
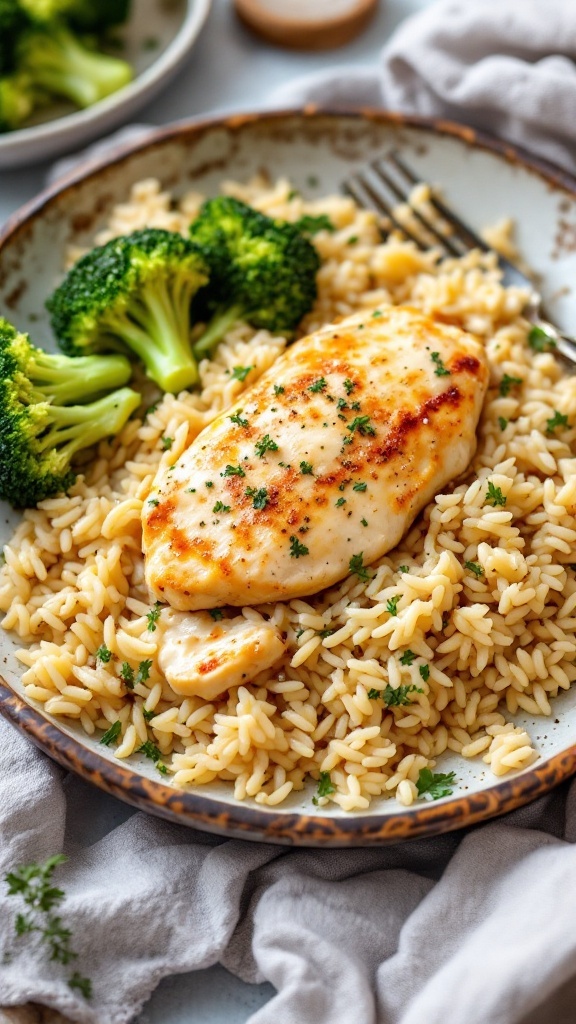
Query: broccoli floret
[(18, 98), (12, 21), (87, 15), (262, 270), (136, 289), (41, 427), (57, 61)]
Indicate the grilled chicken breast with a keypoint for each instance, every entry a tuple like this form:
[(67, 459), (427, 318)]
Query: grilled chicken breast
[(321, 467)]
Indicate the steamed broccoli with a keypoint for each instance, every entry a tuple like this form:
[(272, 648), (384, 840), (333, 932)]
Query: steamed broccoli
[(57, 61), (261, 270), (136, 289), (40, 427), (87, 15), (18, 98)]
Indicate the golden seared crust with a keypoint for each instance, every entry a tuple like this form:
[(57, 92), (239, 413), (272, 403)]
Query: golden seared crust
[(332, 453)]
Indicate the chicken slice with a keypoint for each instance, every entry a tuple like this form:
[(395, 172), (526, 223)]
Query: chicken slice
[(321, 467), (201, 657)]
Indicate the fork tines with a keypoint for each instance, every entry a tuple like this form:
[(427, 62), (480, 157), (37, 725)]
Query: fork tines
[(387, 186)]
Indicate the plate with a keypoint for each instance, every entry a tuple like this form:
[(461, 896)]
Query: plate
[(485, 180), (157, 40)]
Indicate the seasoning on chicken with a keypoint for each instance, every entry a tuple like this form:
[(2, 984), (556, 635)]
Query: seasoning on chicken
[(321, 467)]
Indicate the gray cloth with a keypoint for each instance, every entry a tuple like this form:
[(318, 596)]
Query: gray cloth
[(470, 928)]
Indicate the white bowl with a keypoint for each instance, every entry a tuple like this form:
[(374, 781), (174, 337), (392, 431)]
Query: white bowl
[(174, 25)]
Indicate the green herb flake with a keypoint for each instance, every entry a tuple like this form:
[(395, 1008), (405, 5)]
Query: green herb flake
[(150, 750), (507, 383), (310, 225), (399, 697), (340, 502), (259, 496), (392, 604), (216, 614), (502, 422), (475, 568), (167, 443), (494, 495), (153, 615), (154, 502), (435, 784), (209, 484), (265, 444), (349, 386), (319, 385), (148, 715), (539, 340), (408, 657), (103, 654), (237, 418), (325, 785), (424, 671), (233, 471), (377, 312), (374, 694), (356, 565), (362, 425), (306, 468), (359, 487), (278, 389), (143, 673), (84, 985), (364, 522), (403, 568), (352, 241), (241, 372), (441, 370), (556, 421), (297, 550), (111, 734), (127, 675), (221, 507)]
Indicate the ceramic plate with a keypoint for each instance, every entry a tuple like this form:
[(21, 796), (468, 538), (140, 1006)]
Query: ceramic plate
[(485, 181), (156, 41)]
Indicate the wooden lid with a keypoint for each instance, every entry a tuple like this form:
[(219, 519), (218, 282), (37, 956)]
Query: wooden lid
[(306, 24)]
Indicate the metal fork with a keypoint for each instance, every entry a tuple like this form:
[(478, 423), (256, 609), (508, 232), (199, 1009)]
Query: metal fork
[(386, 182)]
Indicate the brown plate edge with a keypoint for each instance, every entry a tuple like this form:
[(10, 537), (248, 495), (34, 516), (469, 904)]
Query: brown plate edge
[(242, 821)]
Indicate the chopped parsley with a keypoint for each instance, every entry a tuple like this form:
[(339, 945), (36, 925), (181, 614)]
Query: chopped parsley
[(555, 421), (424, 671), (296, 548), (441, 370), (475, 568), (340, 502), (403, 568), (233, 471), (265, 444), (306, 468), (362, 425), (111, 734), (216, 614), (259, 496), (127, 675), (278, 389), (435, 784), (143, 673), (310, 225), (502, 422), (148, 715), (221, 507), (154, 502), (397, 698), (150, 750), (494, 495), (359, 487), (153, 615), (103, 654), (208, 483), (352, 241), (356, 565), (364, 522), (377, 312), (241, 372), (319, 385), (392, 604), (408, 657), (84, 985), (237, 418), (167, 443), (539, 340), (349, 386), (325, 632), (325, 787), (507, 383)]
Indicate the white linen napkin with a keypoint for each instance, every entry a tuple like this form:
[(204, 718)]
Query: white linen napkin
[(476, 926)]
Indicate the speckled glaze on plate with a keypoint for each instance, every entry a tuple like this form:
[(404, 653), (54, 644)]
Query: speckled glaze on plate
[(485, 180), (156, 40)]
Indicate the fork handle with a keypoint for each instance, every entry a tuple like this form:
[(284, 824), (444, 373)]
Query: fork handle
[(563, 343)]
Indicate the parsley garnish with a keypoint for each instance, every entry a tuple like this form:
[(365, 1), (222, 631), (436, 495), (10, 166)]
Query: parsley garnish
[(216, 614), (424, 671), (539, 341), (278, 389), (33, 883), (397, 698), (377, 312), (555, 421), (154, 502), (167, 443), (150, 750), (306, 468), (408, 657), (309, 225), (349, 386), (435, 783), (503, 423), (364, 522), (475, 568), (362, 425), (392, 604), (265, 444), (325, 786), (148, 715), (103, 654), (233, 471), (356, 564), (359, 487), (209, 484), (319, 385), (403, 568), (507, 383), (296, 548), (494, 495), (440, 370), (127, 674), (237, 418), (111, 734), (220, 507), (153, 615), (340, 502), (241, 372), (143, 673), (259, 496)]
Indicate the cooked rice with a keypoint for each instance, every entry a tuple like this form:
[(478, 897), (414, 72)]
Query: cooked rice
[(494, 644)]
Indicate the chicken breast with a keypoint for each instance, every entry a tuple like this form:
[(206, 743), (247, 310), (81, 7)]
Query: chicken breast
[(321, 467)]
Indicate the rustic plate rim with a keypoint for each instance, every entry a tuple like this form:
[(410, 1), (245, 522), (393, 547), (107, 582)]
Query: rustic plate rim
[(193, 808)]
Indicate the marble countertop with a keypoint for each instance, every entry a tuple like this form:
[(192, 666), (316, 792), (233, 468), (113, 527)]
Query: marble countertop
[(229, 70)]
